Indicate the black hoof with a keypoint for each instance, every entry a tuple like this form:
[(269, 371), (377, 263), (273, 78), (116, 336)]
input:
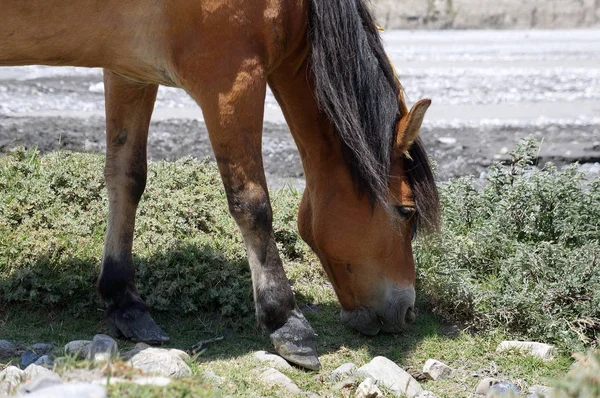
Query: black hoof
[(136, 325), (296, 342)]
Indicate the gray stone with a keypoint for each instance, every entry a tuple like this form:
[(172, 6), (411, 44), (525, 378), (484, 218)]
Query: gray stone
[(39, 383), (162, 362), (540, 350), (181, 354), (44, 360), (387, 374), (103, 348), (27, 358), (10, 378), (426, 394), (537, 391), (34, 371), (272, 360), (274, 378), (368, 389), (484, 386), (436, 370), (75, 390), (139, 347), (7, 349), (79, 349), (342, 371), (42, 348), (504, 388)]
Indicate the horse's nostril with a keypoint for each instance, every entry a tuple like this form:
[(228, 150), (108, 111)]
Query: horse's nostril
[(410, 316)]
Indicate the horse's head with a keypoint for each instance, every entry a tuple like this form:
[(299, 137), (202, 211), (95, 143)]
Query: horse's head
[(365, 247)]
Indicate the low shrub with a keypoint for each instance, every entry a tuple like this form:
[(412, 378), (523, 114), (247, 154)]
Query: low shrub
[(520, 253), (188, 251)]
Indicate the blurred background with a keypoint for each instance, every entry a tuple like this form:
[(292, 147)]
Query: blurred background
[(497, 71)]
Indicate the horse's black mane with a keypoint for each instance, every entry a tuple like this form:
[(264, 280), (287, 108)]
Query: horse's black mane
[(356, 87)]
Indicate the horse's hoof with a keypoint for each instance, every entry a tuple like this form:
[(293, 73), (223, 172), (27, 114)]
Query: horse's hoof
[(296, 342), (136, 326)]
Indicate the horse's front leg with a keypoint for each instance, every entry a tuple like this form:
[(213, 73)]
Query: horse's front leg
[(128, 110), (232, 101)]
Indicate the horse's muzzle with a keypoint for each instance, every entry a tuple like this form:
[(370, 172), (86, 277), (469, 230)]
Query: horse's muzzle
[(391, 315)]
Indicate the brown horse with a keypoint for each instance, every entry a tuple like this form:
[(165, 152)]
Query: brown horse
[(368, 182)]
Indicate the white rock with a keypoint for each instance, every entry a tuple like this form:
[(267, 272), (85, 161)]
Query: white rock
[(39, 383), (33, 371), (103, 348), (426, 394), (540, 350), (368, 389), (342, 371), (484, 386), (274, 378), (386, 373), (447, 140), (272, 360), (162, 362), (78, 348), (10, 378), (75, 390), (538, 391), (181, 354), (436, 370)]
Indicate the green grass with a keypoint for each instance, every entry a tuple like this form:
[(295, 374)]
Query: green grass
[(192, 270)]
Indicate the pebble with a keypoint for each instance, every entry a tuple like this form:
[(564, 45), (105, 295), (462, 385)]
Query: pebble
[(368, 389), (447, 140), (537, 391), (386, 373), (342, 371), (504, 388), (34, 371), (540, 350), (28, 358), (274, 378), (42, 348), (484, 386), (436, 370), (103, 348), (272, 360), (44, 360), (7, 349), (79, 348), (39, 383), (139, 347), (162, 362), (10, 378), (75, 390)]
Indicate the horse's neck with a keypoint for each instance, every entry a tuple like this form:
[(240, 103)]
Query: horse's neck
[(71, 32), (315, 137)]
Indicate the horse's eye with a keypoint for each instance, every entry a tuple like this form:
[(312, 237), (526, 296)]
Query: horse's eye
[(405, 211)]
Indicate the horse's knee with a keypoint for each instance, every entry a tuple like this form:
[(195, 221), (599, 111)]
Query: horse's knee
[(126, 170), (250, 208)]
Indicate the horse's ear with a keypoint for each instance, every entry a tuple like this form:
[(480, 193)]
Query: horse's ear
[(410, 125)]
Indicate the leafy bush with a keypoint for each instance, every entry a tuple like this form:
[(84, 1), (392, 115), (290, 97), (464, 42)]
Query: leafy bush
[(520, 253), (188, 251)]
